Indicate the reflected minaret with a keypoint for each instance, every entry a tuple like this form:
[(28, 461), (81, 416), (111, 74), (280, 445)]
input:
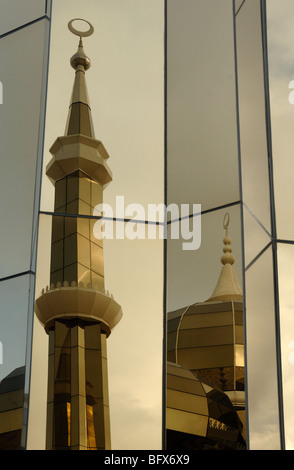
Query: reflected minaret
[(76, 311), (207, 337)]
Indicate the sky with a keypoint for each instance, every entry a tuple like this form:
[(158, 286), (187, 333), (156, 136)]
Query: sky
[(126, 90)]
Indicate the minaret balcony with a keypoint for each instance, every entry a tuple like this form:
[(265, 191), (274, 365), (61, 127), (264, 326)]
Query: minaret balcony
[(66, 302), (79, 152)]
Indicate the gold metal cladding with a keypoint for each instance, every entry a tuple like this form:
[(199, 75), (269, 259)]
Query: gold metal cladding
[(78, 152), (78, 302), (186, 422), (207, 339), (80, 33), (181, 414), (11, 420)]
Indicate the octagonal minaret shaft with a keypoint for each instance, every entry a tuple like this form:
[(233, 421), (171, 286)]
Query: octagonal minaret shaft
[(76, 311)]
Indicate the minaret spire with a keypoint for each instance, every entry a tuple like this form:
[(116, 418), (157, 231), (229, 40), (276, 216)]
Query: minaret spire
[(79, 119), (228, 287), (79, 131)]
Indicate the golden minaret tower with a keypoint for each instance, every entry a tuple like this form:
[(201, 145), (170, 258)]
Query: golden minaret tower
[(76, 311)]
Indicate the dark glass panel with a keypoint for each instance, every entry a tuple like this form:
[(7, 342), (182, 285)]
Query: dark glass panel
[(252, 109), (263, 402), (16, 13), (202, 152), (280, 56), (21, 140)]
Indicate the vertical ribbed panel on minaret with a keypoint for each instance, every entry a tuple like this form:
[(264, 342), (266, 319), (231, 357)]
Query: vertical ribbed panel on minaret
[(76, 255)]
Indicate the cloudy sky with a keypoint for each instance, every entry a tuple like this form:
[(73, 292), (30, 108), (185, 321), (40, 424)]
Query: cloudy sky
[(126, 89)]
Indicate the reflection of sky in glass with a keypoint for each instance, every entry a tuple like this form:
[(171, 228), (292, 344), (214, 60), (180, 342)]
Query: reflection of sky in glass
[(281, 73), (13, 323), (20, 137), (125, 85), (15, 13), (190, 274), (19, 140), (201, 121), (261, 355), (281, 68), (193, 275), (136, 68), (286, 277), (252, 113)]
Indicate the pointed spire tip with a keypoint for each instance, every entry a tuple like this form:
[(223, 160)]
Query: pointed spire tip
[(80, 58)]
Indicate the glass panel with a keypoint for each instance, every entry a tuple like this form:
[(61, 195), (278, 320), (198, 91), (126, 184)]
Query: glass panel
[(14, 360), (201, 104), (133, 273), (19, 141), (281, 52), (205, 333), (125, 88), (126, 83), (256, 237), (286, 275), (15, 13), (14, 317), (263, 415), (253, 136), (192, 274)]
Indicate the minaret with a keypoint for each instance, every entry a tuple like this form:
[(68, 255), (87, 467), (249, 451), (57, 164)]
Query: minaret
[(76, 311)]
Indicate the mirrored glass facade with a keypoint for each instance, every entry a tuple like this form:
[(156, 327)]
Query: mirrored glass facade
[(23, 94), (227, 145), (108, 120), (193, 103)]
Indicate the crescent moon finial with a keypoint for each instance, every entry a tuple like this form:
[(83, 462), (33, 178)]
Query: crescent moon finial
[(80, 33), (80, 58)]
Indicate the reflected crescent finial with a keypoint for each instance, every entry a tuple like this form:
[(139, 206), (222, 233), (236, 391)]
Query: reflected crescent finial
[(226, 222), (227, 258)]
